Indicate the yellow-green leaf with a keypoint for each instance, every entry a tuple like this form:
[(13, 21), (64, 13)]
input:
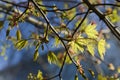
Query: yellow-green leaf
[(76, 77), (68, 61), (18, 34), (36, 55), (91, 31), (91, 72), (76, 46), (39, 75), (52, 58), (21, 44), (101, 47), (100, 77), (37, 46), (57, 42), (91, 49)]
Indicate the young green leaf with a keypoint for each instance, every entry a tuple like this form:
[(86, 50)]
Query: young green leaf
[(36, 55), (37, 46), (57, 42), (101, 77), (101, 47), (21, 44), (52, 58), (91, 49), (18, 34), (91, 72), (76, 77), (39, 75), (76, 46), (91, 31), (68, 61)]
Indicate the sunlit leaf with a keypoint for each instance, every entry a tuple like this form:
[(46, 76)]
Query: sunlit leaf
[(91, 49), (118, 69), (36, 55), (68, 61), (37, 46), (18, 34), (101, 47), (52, 58), (76, 77), (76, 46), (91, 31), (39, 75), (100, 77), (21, 44), (57, 42), (91, 72), (71, 13)]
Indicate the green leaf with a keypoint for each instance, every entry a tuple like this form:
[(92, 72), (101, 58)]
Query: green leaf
[(101, 47), (36, 55), (71, 13), (91, 31), (52, 58), (68, 61), (118, 69), (76, 77), (100, 77), (21, 44), (57, 42), (37, 46), (91, 72), (91, 49), (18, 34), (39, 75)]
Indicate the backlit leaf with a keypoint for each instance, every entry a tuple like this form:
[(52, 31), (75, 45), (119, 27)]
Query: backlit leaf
[(21, 44), (52, 58), (91, 49), (36, 55), (100, 77), (39, 75), (91, 31), (68, 61), (76, 77), (101, 47), (18, 34), (57, 42), (76, 46)]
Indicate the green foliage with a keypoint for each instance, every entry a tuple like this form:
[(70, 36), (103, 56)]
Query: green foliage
[(57, 42), (39, 76), (52, 58), (101, 77), (76, 77), (85, 39), (36, 55), (21, 44), (18, 35), (90, 31), (114, 17), (101, 47)]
